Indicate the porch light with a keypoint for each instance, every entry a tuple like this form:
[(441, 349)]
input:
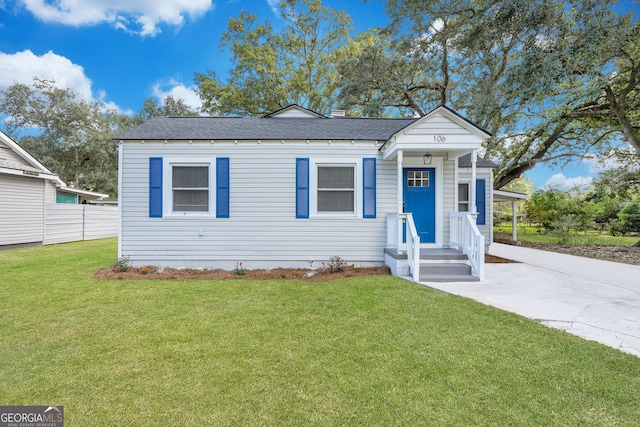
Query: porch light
[(427, 158)]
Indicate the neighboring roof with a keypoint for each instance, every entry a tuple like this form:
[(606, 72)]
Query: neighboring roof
[(465, 162), (91, 195), (33, 167), (29, 164), (254, 128), (8, 164)]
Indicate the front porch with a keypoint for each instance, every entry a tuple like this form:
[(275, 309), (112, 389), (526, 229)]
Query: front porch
[(461, 261)]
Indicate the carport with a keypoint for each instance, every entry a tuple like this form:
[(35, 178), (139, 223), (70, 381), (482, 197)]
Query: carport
[(514, 198)]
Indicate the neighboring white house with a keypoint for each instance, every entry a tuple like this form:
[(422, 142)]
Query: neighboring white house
[(294, 188), (35, 203)]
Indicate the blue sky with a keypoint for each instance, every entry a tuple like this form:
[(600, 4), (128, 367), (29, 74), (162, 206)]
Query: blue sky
[(121, 52)]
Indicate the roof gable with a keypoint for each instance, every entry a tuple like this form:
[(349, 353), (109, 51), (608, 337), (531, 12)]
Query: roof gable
[(443, 117), (27, 159), (295, 111), (21, 160)]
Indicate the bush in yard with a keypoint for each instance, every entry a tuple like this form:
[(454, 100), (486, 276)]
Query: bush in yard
[(630, 217), (121, 265)]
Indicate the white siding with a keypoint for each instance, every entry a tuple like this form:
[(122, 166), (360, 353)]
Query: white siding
[(262, 229), (21, 209)]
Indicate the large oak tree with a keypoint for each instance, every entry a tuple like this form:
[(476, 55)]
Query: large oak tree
[(551, 80)]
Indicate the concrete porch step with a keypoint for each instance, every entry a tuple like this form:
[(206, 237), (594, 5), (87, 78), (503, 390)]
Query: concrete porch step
[(446, 266), (445, 269), (442, 255), (436, 265), (448, 278)]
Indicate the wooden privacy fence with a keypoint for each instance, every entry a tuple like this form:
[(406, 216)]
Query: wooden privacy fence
[(71, 223)]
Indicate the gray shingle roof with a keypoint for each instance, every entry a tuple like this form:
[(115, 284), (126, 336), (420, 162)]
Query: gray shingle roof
[(253, 128), (465, 162)]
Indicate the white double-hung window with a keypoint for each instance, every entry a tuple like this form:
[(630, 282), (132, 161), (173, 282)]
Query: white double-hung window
[(336, 192), (190, 188)]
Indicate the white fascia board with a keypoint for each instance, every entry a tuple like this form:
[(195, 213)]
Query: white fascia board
[(20, 172)]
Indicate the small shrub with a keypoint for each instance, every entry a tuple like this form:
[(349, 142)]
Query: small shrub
[(336, 264), (145, 270), (121, 265), (239, 270)]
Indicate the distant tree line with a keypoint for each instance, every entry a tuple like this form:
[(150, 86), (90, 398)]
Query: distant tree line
[(612, 205)]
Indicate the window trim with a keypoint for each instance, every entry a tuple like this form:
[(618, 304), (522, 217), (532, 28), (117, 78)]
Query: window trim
[(356, 164), (167, 193)]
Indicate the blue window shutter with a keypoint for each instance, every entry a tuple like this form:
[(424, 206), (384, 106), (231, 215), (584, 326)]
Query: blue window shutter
[(302, 188), (155, 187), (369, 188), (222, 187), (481, 201)]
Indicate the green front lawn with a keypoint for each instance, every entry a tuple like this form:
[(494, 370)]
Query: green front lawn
[(359, 351)]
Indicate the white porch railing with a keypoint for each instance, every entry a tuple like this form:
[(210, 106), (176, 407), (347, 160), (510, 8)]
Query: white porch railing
[(464, 235), (395, 222), (394, 230), (413, 248)]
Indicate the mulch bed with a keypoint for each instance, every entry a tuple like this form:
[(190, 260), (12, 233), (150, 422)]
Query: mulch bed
[(626, 255), (272, 274), (152, 273), (492, 259)]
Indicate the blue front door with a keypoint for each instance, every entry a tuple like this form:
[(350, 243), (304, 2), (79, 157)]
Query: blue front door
[(420, 200)]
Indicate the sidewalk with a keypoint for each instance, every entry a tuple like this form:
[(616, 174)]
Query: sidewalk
[(596, 300)]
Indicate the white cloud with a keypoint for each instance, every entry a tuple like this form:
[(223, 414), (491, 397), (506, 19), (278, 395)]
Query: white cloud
[(22, 67), (137, 16), (275, 6), (564, 183), (177, 90)]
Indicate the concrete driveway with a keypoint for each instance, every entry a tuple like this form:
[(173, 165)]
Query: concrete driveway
[(596, 300)]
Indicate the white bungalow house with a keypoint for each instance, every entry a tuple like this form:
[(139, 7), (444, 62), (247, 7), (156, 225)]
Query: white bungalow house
[(35, 204), (294, 188)]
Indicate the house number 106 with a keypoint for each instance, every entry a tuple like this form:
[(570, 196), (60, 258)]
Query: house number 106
[(439, 138)]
